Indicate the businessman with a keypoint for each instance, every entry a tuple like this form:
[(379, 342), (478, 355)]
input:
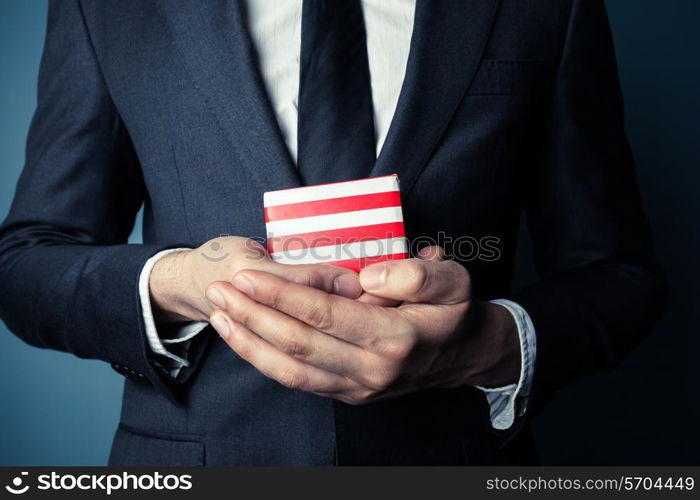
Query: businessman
[(486, 110)]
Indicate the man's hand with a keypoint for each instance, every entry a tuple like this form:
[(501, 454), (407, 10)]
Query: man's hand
[(357, 351), (178, 280)]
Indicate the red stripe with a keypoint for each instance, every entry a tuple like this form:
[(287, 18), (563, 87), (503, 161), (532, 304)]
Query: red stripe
[(333, 206), (336, 237), (357, 264)]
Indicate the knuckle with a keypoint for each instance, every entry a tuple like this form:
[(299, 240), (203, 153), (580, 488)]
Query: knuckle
[(308, 277), (379, 374), (293, 378), (277, 295), (303, 277), (396, 348), (417, 277), (320, 316), (292, 345), (380, 380)]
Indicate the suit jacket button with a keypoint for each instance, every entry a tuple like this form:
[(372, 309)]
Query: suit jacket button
[(129, 373), (118, 368)]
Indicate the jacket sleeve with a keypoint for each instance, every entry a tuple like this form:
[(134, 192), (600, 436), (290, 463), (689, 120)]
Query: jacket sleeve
[(601, 290), (68, 279)]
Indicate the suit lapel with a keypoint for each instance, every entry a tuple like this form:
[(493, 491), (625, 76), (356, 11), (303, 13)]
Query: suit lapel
[(448, 40), (219, 56)]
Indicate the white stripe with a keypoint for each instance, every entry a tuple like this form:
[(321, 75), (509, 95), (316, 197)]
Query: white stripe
[(329, 222), (330, 191), (333, 253)]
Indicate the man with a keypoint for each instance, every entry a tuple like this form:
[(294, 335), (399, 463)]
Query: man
[(484, 109)]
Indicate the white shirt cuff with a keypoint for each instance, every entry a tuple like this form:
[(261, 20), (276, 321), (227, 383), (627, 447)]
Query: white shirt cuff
[(510, 401), (171, 362)]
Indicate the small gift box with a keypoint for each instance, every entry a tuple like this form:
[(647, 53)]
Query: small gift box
[(349, 224)]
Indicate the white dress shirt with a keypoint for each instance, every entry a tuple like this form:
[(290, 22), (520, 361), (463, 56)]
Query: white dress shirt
[(275, 28)]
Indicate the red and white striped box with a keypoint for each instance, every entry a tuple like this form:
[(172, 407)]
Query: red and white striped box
[(348, 224)]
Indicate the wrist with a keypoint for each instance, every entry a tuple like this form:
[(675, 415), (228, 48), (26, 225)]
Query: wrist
[(170, 288), (497, 334)]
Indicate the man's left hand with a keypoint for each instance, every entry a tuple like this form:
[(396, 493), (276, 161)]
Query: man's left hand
[(357, 351)]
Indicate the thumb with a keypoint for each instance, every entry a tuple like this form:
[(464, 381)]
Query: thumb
[(431, 252), (416, 280)]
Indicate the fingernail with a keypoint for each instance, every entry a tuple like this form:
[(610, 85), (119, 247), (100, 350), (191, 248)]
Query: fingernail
[(373, 277), (221, 326), (216, 298), (347, 286), (242, 282)]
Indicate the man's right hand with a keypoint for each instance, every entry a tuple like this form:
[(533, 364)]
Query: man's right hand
[(178, 281)]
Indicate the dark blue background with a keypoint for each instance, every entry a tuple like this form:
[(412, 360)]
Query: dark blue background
[(58, 410)]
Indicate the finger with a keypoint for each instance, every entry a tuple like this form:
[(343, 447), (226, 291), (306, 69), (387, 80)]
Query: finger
[(343, 318), (291, 336), (330, 279), (273, 363), (368, 298), (415, 280)]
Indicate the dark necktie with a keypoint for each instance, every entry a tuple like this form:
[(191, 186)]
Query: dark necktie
[(336, 140)]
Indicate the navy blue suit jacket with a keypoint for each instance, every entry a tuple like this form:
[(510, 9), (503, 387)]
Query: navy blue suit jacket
[(507, 107)]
